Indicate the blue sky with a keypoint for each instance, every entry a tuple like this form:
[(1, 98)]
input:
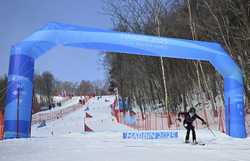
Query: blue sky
[(20, 18)]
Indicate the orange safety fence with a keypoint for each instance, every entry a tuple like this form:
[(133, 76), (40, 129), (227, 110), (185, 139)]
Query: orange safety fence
[(215, 119), (150, 121), (168, 120), (221, 121), (55, 114), (115, 112), (1, 125)]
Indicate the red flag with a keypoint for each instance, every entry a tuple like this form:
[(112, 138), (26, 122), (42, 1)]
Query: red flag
[(88, 115)]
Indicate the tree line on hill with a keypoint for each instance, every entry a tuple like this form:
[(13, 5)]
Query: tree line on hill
[(141, 77), (45, 86)]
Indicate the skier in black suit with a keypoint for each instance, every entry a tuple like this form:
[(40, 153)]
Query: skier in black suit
[(189, 118)]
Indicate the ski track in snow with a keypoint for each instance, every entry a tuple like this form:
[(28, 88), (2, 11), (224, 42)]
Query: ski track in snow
[(70, 143)]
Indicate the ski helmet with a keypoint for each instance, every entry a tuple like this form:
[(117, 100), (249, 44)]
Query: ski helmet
[(192, 110)]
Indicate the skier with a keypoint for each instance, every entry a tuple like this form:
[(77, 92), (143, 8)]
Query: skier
[(189, 118)]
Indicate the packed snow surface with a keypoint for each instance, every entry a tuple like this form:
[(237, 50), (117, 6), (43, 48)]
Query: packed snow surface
[(69, 142)]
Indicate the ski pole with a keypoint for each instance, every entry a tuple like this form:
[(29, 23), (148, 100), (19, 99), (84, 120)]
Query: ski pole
[(211, 131)]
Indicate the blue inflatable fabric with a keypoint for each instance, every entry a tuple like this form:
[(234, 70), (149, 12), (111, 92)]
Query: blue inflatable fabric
[(24, 54)]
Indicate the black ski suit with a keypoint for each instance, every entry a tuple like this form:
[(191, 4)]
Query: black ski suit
[(188, 123)]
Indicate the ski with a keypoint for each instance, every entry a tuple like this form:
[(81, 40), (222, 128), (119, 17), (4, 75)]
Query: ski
[(198, 143)]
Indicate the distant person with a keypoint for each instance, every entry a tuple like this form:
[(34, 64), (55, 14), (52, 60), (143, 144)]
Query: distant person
[(50, 106), (42, 124), (189, 118)]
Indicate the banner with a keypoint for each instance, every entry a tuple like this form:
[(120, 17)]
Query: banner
[(150, 135)]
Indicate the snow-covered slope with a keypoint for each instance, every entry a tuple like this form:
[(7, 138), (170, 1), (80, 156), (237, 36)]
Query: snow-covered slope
[(68, 142), (57, 112), (101, 120), (109, 146)]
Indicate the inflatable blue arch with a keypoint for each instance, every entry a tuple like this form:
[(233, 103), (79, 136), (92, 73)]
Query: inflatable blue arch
[(23, 55)]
